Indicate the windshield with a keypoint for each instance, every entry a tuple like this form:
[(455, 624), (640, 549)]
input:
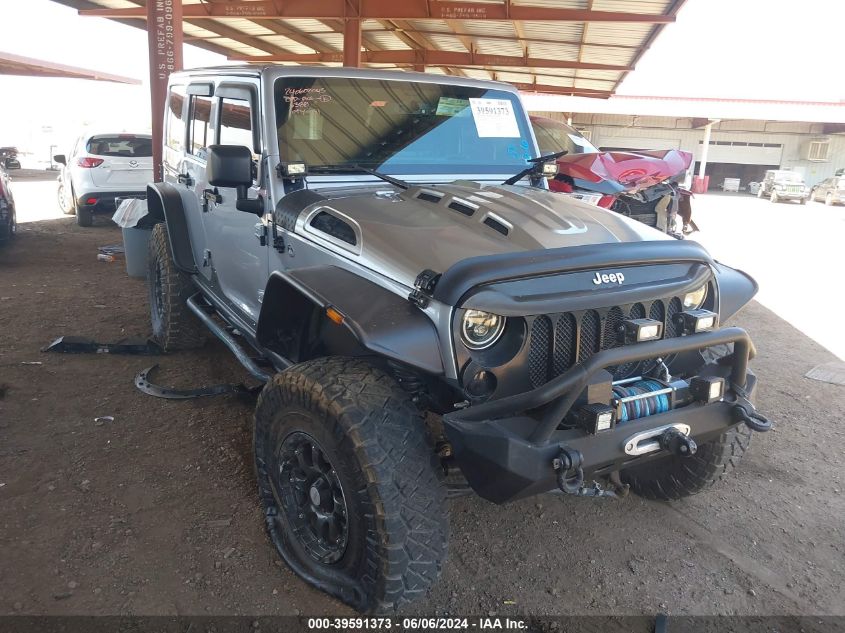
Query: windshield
[(554, 136), (401, 127), (131, 145)]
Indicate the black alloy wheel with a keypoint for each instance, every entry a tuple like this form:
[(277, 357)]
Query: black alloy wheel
[(312, 497)]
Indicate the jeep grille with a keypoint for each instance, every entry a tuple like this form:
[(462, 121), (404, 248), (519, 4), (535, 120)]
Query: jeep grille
[(557, 340)]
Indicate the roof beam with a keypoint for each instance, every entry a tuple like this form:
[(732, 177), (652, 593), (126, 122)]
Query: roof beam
[(430, 57), (238, 36), (390, 10), (297, 36), (561, 90)]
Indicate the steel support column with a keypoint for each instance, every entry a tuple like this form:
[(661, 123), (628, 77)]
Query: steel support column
[(705, 146), (352, 34), (164, 36)]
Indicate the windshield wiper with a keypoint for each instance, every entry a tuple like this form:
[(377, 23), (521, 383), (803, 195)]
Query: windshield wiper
[(359, 169), (532, 168)]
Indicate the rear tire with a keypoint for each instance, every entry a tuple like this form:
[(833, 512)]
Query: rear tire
[(8, 232), (84, 217), (375, 533), (174, 326), (674, 477)]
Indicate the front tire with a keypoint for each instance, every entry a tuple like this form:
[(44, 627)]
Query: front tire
[(674, 477), (774, 197), (66, 203), (174, 326), (348, 482), (828, 200)]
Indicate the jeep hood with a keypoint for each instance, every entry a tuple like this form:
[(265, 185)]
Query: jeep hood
[(401, 233)]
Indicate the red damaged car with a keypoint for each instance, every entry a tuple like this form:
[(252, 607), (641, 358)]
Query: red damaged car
[(642, 185)]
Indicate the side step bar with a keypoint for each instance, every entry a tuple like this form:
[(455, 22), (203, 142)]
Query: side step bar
[(227, 339)]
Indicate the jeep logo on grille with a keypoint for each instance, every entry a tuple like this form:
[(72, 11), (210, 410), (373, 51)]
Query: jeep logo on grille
[(611, 278)]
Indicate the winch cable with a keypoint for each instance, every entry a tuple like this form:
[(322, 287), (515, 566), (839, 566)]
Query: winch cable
[(642, 407)]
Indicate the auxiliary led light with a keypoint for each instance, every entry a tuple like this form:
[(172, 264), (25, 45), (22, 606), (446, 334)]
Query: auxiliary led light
[(695, 321), (638, 330)]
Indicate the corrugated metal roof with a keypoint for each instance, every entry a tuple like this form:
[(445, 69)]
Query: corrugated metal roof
[(583, 46)]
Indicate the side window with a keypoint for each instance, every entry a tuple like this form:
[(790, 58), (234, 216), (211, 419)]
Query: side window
[(174, 122), (235, 123), (200, 126)]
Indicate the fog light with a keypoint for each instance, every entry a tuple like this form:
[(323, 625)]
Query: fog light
[(694, 321), (638, 330), (707, 389), (595, 418), (482, 384)]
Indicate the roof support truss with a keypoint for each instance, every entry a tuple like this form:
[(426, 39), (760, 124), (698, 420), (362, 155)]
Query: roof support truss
[(390, 10)]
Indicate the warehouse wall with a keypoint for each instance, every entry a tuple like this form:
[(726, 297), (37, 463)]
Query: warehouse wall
[(677, 133)]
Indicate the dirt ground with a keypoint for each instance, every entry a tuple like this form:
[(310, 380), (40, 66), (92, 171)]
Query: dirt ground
[(156, 511)]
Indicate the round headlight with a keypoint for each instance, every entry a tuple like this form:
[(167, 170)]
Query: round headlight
[(479, 330), (695, 299)]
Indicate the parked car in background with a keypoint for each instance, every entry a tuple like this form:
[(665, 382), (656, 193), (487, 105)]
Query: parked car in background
[(100, 168), (780, 184), (641, 185), (8, 219), (830, 191), (9, 158)]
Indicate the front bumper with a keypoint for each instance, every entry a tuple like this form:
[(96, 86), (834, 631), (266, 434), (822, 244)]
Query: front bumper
[(792, 195), (506, 454)]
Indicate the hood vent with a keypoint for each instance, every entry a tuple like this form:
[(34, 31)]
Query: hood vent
[(430, 196), (462, 207), (497, 225)]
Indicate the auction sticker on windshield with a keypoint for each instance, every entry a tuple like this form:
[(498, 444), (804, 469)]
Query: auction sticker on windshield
[(494, 118)]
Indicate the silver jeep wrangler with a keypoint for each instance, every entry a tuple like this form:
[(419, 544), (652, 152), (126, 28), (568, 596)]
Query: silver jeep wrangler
[(427, 317)]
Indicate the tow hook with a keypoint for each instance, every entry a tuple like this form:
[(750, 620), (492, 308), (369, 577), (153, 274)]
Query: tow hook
[(570, 475), (754, 420), (677, 443)]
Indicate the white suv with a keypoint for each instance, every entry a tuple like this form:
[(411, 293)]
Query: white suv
[(100, 168)]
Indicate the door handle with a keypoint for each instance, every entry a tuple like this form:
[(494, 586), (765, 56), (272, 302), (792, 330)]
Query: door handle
[(185, 179)]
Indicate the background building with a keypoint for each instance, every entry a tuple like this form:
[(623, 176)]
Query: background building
[(808, 138)]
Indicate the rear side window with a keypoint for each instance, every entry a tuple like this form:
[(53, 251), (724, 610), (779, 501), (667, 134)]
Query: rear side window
[(235, 122), (200, 126), (127, 145), (175, 133)]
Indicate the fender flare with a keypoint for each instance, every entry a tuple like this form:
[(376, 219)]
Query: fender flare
[(736, 289), (381, 321), (164, 204)]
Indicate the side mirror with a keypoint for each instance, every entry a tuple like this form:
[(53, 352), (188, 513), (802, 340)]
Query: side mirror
[(60, 159), (229, 166)]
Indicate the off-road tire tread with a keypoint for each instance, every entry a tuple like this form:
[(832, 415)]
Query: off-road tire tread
[(674, 477), (182, 330), (371, 415)]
